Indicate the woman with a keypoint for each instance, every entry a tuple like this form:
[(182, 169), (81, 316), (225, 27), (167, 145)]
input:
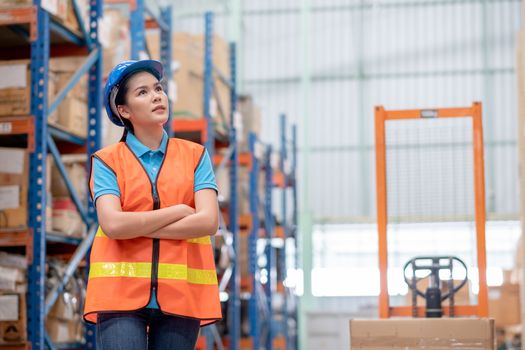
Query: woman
[(152, 279)]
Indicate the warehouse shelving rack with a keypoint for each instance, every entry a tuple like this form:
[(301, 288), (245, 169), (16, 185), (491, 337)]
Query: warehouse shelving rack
[(265, 330), (49, 37), (203, 129), (284, 182)]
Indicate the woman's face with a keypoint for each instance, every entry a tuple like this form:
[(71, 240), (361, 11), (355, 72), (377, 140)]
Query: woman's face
[(146, 101)]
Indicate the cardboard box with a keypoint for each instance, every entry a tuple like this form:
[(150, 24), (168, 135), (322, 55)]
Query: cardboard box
[(115, 38), (13, 187), (422, 333), (14, 332), (504, 305), (15, 91), (66, 219), (75, 165), (9, 307), (11, 278), (243, 188), (188, 73), (13, 260), (250, 120), (15, 3), (70, 19), (63, 69), (72, 116), (243, 255)]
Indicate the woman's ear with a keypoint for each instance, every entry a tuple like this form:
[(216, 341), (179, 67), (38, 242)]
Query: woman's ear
[(123, 111)]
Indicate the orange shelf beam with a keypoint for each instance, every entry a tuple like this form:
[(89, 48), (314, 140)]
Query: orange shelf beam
[(278, 179), (279, 343), (245, 343), (201, 343), (150, 23), (245, 159), (17, 238), (23, 15), (279, 232), (19, 126), (189, 125), (246, 283), (245, 221)]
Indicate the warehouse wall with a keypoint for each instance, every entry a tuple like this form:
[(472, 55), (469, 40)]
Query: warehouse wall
[(402, 54)]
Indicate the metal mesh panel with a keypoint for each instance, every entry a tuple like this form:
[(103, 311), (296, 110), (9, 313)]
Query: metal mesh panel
[(430, 191), (429, 170)]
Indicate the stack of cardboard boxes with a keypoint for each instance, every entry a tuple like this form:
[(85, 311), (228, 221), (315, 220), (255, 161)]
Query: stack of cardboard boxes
[(15, 100), (114, 36), (13, 188), (13, 288), (504, 303), (15, 93), (187, 86), (66, 219), (72, 111)]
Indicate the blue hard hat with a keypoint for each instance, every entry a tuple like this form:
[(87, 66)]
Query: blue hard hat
[(117, 75)]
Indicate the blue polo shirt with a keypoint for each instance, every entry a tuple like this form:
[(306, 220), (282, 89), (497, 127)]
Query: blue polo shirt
[(105, 181)]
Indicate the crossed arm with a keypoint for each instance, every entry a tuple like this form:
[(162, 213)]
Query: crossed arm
[(176, 222)]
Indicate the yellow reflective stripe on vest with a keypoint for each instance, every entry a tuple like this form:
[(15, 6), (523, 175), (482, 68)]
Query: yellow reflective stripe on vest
[(200, 240), (143, 270), (120, 269), (182, 272), (100, 233)]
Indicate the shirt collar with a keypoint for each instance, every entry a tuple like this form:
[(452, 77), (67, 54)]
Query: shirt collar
[(140, 149)]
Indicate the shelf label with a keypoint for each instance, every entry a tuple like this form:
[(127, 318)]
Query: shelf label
[(9, 197), (6, 128)]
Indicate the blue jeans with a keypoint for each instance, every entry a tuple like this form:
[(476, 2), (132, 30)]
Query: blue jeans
[(129, 331)]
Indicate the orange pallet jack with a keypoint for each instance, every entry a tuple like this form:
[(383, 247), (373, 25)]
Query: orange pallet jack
[(381, 116)]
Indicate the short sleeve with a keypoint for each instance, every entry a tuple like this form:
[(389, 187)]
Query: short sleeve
[(204, 176), (104, 180)]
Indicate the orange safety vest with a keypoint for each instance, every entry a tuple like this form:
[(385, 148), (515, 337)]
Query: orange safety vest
[(123, 273)]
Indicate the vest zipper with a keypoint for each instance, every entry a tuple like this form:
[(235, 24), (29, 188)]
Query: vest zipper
[(156, 242), (155, 257)]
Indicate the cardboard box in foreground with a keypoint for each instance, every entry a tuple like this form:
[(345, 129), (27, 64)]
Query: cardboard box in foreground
[(422, 333)]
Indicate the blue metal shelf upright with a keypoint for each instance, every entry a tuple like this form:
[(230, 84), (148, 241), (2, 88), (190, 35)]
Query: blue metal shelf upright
[(288, 182), (138, 24), (47, 36), (269, 329)]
